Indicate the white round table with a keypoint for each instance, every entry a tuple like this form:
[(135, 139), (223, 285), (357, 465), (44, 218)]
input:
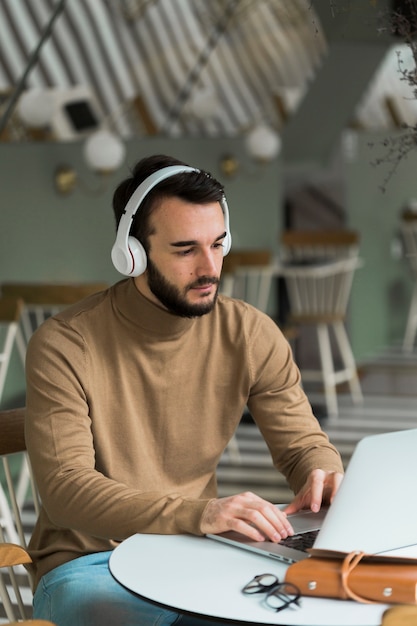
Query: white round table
[(202, 576)]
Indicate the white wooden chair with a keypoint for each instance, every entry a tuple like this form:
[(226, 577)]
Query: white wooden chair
[(318, 268), (248, 275), (10, 312), (13, 577), (409, 234), (41, 300)]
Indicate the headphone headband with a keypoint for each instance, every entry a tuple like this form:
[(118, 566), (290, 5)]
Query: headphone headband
[(128, 254)]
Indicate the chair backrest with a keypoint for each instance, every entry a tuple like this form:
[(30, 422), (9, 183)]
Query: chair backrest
[(12, 452), (12, 532), (320, 293), (10, 313), (43, 300), (248, 275), (12, 556), (318, 267)]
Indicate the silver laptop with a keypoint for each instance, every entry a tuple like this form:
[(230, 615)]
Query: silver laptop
[(375, 508)]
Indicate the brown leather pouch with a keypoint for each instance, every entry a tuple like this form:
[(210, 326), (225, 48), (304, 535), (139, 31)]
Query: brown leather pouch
[(357, 576)]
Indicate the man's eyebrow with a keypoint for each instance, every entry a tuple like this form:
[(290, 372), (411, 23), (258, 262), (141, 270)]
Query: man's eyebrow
[(193, 242)]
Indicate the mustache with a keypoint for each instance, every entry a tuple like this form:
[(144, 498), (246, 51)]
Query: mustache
[(204, 280)]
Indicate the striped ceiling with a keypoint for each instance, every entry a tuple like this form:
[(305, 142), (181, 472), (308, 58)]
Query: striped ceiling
[(208, 68), (177, 67)]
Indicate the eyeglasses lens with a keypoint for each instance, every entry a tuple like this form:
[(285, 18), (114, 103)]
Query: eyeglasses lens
[(282, 595), (261, 584), (278, 595)]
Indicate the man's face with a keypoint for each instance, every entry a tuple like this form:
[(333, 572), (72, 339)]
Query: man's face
[(186, 257)]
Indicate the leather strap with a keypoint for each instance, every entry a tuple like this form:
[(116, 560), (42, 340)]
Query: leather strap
[(348, 565)]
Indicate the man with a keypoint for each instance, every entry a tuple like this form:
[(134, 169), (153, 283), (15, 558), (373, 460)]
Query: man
[(134, 393)]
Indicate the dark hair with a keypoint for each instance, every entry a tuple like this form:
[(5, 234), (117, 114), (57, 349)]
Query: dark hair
[(197, 187)]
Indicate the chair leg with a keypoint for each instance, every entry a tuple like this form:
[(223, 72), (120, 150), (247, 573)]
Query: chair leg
[(23, 483), (411, 327), (348, 361), (233, 451), (327, 367), (4, 596), (21, 345)]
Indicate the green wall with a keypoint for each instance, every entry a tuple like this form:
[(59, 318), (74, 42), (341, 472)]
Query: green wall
[(46, 237), (382, 288)]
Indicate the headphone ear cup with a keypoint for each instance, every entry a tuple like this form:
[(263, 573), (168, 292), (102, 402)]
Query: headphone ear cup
[(138, 256), (227, 243), (121, 258)]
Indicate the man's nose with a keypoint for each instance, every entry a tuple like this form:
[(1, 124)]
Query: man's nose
[(207, 263)]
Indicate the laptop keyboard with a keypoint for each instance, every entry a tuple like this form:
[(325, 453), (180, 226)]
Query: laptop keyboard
[(302, 541)]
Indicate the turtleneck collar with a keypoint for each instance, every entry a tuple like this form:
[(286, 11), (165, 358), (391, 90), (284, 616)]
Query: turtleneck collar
[(147, 315)]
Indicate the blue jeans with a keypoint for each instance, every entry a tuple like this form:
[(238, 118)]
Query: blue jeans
[(83, 592)]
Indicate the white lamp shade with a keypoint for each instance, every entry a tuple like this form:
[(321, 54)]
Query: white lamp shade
[(35, 108), (263, 143), (203, 103), (104, 151)]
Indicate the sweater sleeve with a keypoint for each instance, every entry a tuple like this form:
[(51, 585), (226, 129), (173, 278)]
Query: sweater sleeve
[(280, 407), (60, 442)]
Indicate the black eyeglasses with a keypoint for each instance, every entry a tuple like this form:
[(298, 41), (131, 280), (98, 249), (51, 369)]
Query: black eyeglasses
[(279, 595)]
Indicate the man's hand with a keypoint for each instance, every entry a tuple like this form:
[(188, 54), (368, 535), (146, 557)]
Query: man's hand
[(320, 488), (247, 514)]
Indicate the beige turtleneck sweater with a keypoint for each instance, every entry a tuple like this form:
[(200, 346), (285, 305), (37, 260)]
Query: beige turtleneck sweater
[(129, 409)]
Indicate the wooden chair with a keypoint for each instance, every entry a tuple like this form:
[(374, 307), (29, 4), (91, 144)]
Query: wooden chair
[(13, 552), (409, 235), (41, 300), (248, 275), (318, 268)]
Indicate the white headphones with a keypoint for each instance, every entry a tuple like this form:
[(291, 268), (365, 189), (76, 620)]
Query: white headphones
[(128, 254)]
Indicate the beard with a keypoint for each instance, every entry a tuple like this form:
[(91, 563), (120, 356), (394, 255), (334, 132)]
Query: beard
[(173, 299)]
